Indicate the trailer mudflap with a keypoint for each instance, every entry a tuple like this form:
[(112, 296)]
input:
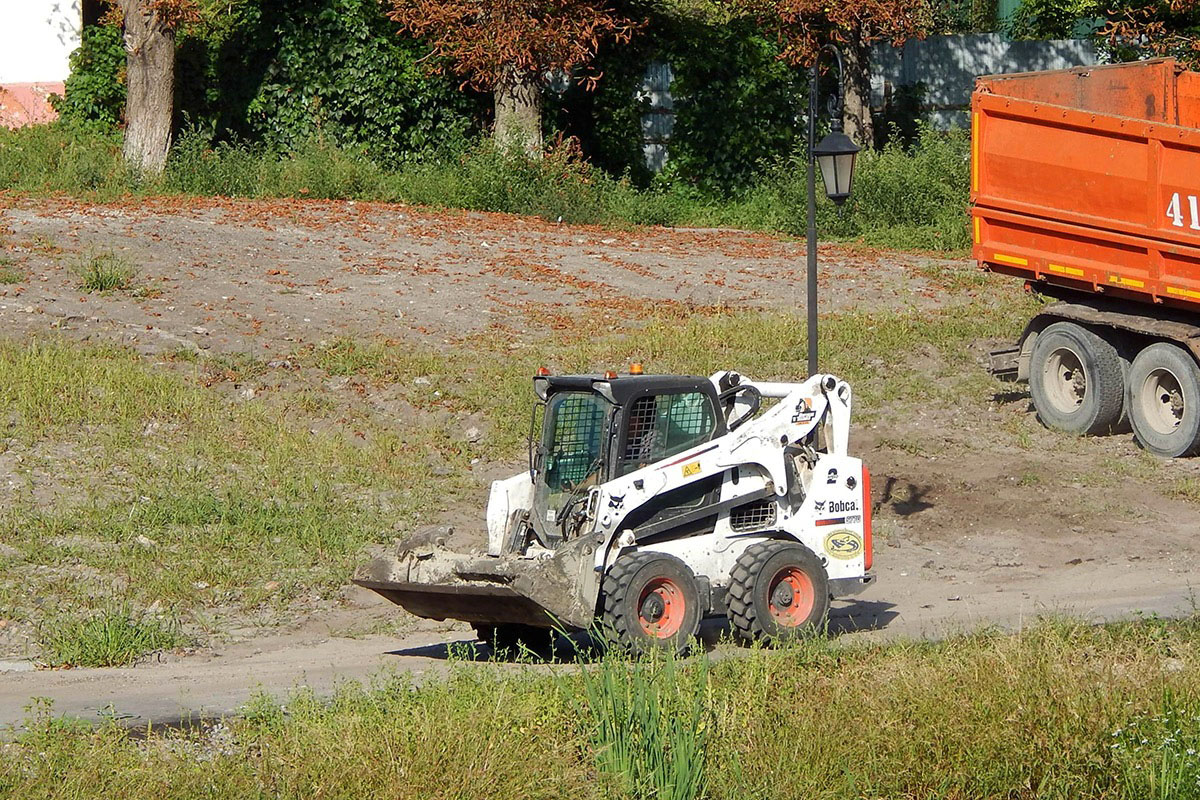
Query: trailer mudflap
[(1003, 364)]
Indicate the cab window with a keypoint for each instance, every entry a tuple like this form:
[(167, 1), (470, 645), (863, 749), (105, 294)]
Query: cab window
[(577, 423), (662, 425)]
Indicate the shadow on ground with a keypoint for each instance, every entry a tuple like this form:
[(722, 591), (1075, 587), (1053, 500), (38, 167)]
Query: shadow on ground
[(853, 617)]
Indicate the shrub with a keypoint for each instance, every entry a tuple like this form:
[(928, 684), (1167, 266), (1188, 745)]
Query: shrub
[(283, 73)]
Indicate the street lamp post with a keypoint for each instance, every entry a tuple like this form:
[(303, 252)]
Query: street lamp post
[(835, 154)]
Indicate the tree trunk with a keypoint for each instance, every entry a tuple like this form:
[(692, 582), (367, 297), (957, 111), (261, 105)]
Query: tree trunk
[(857, 115), (150, 76), (519, 114)]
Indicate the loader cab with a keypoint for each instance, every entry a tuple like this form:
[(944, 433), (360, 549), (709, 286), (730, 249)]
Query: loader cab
[(596, 428)]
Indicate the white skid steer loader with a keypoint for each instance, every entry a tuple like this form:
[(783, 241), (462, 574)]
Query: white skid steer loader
[(653, 501)]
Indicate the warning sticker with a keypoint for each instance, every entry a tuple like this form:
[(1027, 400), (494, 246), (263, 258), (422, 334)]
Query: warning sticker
[(691, 469)]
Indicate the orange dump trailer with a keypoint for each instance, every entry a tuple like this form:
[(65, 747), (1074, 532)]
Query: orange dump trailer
[(1086, 183)]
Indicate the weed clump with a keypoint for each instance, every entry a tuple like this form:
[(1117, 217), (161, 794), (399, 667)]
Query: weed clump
[(113, 636), (9, 272), (104, 271), (648, 725)]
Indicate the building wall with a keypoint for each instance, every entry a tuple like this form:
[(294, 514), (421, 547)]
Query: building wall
[(36, 41)]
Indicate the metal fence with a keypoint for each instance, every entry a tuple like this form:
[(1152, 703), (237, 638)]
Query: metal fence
[(941, 70)]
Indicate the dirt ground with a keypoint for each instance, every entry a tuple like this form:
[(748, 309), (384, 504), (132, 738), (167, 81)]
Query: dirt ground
[(982, 516), (253, 277)]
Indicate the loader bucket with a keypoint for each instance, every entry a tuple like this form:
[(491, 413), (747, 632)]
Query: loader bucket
[(475, 603), (435, 583)]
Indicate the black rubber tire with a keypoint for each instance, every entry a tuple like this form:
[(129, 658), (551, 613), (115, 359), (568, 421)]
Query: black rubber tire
[(750, 589), (513, 639), (623, 595), (1100, 409), (1150, 378)]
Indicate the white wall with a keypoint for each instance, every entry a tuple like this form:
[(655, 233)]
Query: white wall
[(36, 39)]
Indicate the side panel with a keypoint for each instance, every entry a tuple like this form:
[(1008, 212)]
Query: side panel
[(1188, 93), (1144, 90), (833, 522), (506, 496), (1094, 200)]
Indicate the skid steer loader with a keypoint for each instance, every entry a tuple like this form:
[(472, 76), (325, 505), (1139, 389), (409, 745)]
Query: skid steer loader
[(653, 501)]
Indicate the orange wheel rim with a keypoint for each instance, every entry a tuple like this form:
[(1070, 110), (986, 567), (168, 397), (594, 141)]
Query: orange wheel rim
[(661, 608), (791, 597)]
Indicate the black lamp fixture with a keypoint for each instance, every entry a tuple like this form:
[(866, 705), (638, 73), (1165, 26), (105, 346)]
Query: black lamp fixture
[(835, 154)]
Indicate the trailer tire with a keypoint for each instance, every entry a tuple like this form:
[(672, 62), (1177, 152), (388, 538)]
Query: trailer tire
[(651, 602), (1164, 401), (513, 639), (1077, 380), (778, 591)]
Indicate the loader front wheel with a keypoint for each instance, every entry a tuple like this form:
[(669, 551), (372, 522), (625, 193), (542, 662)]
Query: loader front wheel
[(778, 591), (651, 603)]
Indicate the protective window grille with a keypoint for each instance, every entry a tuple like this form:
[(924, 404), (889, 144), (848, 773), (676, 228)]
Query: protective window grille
[(575, 447), (752, 516), (662, 425)]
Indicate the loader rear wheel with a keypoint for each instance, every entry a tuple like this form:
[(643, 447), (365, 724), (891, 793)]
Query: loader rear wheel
[(513, 639), (651, 603), (1077, 380), (1164, 401), (778, 591)]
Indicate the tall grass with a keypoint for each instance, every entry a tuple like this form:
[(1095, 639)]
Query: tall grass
[(649, 725), (913, 198), (1059, 711), (114, 635)]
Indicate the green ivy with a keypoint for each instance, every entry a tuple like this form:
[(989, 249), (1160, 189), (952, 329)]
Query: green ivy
[(736, 104), (94, 93), (284, 73), (281, 73)]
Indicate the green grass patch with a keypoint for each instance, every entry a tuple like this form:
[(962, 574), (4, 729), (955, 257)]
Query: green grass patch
[(103, 271), (873, 350), (914, 198), (113, 636), (1061, 710), (190, 499)]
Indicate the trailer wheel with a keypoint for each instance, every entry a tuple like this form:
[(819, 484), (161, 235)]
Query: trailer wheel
[(513, 638), (1076, 379), (651, 602), (1164, 400), (778, 591)]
